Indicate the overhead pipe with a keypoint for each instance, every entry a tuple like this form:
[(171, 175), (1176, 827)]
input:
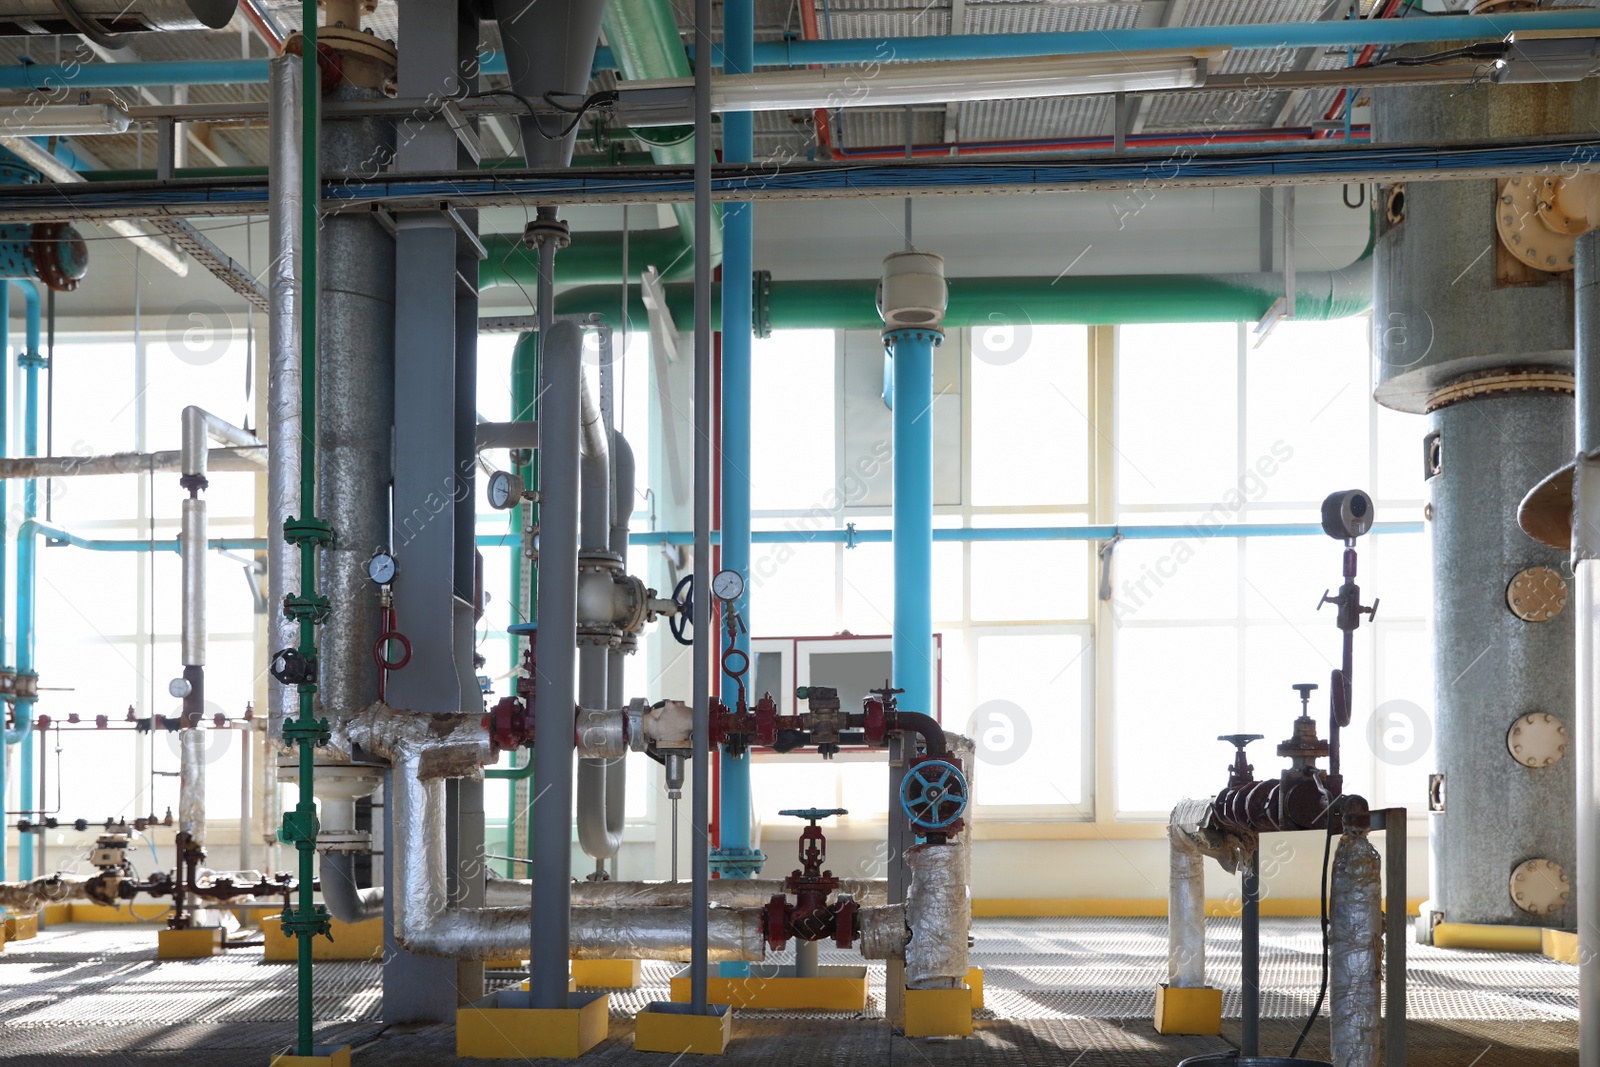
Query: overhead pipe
[(1095, 144), (250, 459), (1102, 300), (966, 534), (593, 258), (58, 534)]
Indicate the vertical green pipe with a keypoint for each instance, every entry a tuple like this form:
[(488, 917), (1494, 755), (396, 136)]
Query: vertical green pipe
[(309, 920)]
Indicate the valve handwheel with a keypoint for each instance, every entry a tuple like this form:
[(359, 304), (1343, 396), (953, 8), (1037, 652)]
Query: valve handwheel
[(682, 622), (933, 794)]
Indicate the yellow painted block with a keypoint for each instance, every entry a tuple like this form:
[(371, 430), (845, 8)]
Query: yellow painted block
[(1490, 938), (975, 984), (351, 941), (673, 1029), (1059, 907), (572, 986), (54, 914), (321, 1056), (938, 1013), (503, 1026), (833, 989), (1182, 1010), (505, 965), (105, 913), (21, 927), (606, 974), (195, 943), (1560, 945)]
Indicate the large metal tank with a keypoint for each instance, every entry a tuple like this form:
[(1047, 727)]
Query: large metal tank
[(1473, 324)]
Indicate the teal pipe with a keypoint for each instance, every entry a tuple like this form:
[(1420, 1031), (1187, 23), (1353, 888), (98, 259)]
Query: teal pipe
[(1023, 533), (912, 656), (27, 575), (1095, 300), (592, 258), (5, 549)]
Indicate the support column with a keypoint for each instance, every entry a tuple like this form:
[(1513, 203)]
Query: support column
[(734, 857)]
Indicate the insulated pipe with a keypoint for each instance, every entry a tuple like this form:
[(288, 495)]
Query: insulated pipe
[(723, 892), (594, 536), (192, 785), (199, 427), (938, 913), (561, 370), (217, 459), (284, 429), (1186, 914), (1355, 931)]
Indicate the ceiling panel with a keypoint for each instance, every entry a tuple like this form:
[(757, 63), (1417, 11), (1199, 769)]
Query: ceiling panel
[(1032, 120)]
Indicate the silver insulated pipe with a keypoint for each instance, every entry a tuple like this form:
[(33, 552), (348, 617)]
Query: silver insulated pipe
[(1355, 931), (283, 370), (594, 653)]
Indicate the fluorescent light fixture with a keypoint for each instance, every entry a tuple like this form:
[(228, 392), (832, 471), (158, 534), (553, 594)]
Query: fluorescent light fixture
[(890, 84), (1546, 59), (62, 120)]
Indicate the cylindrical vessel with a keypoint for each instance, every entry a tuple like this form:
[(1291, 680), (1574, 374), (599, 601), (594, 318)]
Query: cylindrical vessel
[(938, 913), (1455, 303), (355, 379), (283, 382), (1355, 954)]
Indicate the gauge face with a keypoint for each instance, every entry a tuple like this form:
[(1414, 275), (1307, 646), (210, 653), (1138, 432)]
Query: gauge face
[(381, 568), (728, 585), (505, 490)]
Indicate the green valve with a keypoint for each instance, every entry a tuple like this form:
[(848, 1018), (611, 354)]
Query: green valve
[(800, 694), (311, 606), (298, 922), (314, 730)]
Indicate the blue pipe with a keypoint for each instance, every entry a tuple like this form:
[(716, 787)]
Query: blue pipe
[(913, 515), (5, 551), (27, 577), (733, 856)]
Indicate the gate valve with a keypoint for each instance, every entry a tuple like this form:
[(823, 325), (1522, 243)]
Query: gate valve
[(1242, 773), (875, 721), (766, 721), (810, 918), (509, 724)]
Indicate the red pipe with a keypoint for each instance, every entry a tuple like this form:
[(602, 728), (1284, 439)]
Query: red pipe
[(1090, 144), (819, 117), (261, 25)]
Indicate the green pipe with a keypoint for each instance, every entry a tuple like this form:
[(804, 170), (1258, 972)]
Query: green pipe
[(1096, 300), (591, 259), (643, 35)]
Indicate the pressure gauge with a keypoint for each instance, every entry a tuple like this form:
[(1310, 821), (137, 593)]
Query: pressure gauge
[(381, 568), (728, 585), (505, 490)]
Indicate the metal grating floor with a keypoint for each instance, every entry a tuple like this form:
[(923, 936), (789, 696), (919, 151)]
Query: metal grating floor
[(1054, 987)]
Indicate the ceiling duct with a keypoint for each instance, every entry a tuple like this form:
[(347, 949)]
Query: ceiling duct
[(549, 51), (111, 17)]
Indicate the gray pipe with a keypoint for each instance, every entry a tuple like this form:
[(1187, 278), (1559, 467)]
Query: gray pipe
[(355, 413), (192, 784), (283, 372), (622, 484), (507, 435), (199, 428), (1586, 742), (561, 371), (344, 900), (1355, 931), (218, 459), (594, 535), (724, 893), (192, 546)]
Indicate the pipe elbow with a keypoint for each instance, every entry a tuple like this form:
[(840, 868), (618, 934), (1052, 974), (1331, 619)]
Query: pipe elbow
[(344, 900), (925, 725)]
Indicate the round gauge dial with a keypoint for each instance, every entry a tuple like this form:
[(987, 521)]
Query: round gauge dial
[(505, 490), (381, 568), (728, 585)]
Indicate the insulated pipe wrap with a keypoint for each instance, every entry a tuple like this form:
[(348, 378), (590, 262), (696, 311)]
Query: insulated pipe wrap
[(31, 896), (1355, 931), (938, 913), (192, 544), (283, 372), (192, 784), (1186, 916), (434, 746), (883, 931), (663, 934)]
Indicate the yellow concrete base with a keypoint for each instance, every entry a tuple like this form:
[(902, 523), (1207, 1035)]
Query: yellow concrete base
[(1561, 946), (131, 913), (975, 985), (21, 927), (1492, 938), (671, 1028), (606, 974), (833, 989), (56, 914), (351, 941), (503, 1026), (938, 1013), (1188, 1011), (572, 986), (321, 1056), (198, 942), (506, 965)]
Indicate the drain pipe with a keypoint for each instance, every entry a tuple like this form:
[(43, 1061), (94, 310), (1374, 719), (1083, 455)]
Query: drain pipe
[(1355, 931), (283, 377)]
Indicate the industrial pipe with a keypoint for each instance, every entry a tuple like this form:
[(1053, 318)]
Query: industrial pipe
[(723, 893), (28, 897), (284, 429), (192, 785), (1355, 931), (1193, 833), (218, 459), (1586, 564), (939, 913), (561, 370), (344, 900), (1106, 299), (595, 258)]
